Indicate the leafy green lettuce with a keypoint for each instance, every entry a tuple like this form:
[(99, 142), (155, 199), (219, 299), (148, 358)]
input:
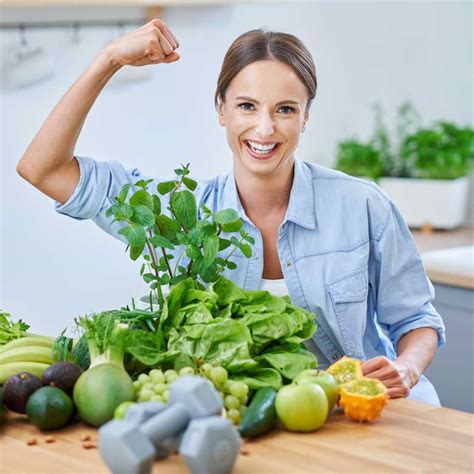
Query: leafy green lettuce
[(255, 335)]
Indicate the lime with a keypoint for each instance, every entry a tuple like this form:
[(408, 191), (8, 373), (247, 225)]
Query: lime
[(49, 408)]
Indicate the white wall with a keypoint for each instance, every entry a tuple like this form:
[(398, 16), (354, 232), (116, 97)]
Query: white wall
[(54, 268)]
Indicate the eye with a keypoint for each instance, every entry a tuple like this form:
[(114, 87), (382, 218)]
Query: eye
[(244, 105), (288, 108)]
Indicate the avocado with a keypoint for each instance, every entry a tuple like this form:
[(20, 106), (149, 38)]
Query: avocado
[(49, 408), (62, 375), (17, 390)]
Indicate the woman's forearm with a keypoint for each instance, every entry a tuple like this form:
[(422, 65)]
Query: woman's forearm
[(416, 350), (53, 146)]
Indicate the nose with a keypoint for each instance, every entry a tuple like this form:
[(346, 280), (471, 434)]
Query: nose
[(265, 127)]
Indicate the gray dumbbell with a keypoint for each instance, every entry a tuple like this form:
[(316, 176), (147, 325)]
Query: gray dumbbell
[(130, 449), (210, 445), (143, 411)]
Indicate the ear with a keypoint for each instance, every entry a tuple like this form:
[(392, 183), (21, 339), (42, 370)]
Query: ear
[(305, 119), (221, 114)]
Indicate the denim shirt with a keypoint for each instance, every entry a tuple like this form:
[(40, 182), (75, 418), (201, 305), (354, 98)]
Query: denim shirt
[(345, 251)]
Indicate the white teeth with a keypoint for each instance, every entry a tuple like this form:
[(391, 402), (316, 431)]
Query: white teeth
[(261, 148)]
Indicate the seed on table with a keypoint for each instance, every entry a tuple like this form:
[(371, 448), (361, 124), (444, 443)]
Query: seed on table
[(89, 445), (85, 437), (244, 451), (31, 441), (50, 439)]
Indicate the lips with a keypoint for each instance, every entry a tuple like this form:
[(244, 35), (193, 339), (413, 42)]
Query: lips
[(260, 156)]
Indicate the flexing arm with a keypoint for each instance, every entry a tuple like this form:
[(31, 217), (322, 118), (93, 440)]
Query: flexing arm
[(48, 163)]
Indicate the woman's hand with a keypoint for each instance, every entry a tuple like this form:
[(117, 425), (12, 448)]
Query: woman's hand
[(153, 43), (395, 375)]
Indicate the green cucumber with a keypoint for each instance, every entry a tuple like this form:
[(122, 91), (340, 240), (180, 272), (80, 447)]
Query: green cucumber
[(260, 416)]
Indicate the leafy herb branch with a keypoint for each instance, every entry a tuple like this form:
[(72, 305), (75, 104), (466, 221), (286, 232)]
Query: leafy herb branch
[(182, 232)]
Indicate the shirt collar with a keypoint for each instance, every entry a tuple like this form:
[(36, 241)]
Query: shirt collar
[(301, 209)]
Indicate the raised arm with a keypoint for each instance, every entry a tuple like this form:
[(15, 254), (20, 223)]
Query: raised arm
[(48, 163)]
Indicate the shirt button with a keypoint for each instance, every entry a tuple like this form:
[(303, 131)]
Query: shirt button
[(288, 263)]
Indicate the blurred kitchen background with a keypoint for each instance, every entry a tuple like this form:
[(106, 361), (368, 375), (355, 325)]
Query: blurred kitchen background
[(382, 67)]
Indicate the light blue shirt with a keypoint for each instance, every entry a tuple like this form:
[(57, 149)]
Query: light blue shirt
[(345, 251)]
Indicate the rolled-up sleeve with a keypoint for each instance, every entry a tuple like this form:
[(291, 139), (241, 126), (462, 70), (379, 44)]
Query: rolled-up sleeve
[(99, 183), (404, 293)]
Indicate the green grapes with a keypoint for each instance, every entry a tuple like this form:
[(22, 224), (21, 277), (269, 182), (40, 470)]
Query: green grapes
[(231, 402), (234, 415), (186, 371), (154, 386), (157, 376), (218, 376), (239, 389)]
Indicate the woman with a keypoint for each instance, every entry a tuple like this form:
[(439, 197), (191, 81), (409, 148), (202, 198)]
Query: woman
[(336, 244)]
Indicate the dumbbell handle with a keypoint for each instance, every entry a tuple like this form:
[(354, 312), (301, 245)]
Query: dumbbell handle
[(167, 423)]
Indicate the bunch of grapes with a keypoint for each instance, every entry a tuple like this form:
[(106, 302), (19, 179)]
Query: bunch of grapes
[(234, 393), (154, 387)]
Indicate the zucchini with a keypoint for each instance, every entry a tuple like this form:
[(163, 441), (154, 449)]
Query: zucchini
[(260, 416)]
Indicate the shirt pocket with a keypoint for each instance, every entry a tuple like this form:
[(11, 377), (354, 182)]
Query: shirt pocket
[(348, 295)]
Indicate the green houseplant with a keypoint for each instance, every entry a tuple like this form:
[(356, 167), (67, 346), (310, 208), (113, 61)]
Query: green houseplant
[(426, 175)]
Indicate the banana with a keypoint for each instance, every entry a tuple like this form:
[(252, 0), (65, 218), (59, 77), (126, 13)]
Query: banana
[(44, 341), (27, 354), (7, 370)]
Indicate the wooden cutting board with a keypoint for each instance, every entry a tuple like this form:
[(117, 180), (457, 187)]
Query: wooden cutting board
[(409, 437)]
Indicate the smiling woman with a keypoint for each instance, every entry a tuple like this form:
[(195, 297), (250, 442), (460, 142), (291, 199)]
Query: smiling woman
[(336, 244)]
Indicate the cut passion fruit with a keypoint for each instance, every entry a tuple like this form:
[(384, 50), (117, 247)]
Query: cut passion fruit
[(346, 369), (363, 399)]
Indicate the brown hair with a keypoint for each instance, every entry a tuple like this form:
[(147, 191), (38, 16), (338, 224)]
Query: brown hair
[(257, 45)]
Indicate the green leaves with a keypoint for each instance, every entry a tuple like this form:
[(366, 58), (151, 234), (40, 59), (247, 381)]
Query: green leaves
[(166, 227), (211, 246), (10, 330), (142, 215), (177, 233), (143, 198), (160, 241), (190, 183), (134, 233), (166, 186), (183, 205), (256, 336), (227, 216)]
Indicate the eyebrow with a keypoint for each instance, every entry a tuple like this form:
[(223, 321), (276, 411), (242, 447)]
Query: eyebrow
[(289, 101)]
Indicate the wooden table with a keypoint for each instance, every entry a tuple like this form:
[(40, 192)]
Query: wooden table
[(410, 437)]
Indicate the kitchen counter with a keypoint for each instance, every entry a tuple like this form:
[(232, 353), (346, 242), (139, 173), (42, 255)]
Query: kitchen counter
[(410, 436), (448, 256)]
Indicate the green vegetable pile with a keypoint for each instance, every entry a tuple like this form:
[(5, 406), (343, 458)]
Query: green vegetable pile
[(256, 336), (205, 318)]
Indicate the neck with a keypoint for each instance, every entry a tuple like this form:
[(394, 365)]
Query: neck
[(263, 195)]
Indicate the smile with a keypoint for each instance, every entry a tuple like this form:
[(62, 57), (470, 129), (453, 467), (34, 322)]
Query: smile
[(261, 150)]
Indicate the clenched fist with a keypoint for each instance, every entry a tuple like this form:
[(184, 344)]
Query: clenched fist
[(153, 43)]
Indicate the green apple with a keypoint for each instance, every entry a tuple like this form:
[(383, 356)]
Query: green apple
[(302, 407), (324, 380)]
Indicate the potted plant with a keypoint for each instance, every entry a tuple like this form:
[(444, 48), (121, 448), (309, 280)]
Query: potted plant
[(427, 177), (366, 160)]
